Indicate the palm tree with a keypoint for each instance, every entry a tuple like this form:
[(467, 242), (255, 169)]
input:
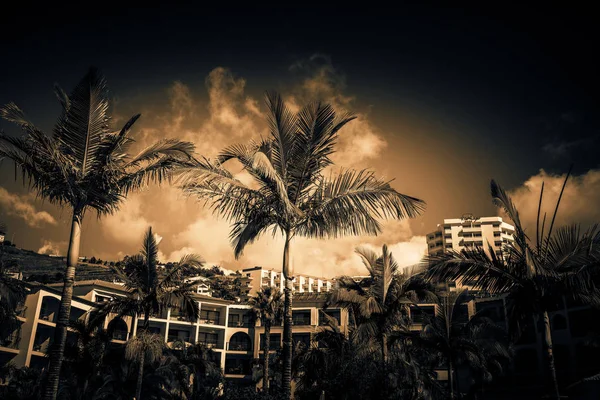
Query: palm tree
[(152, 294), (379, 302), (268, 308), (84, 166), (84, 357), (203, 374), (536, 273), (455, 339), (144, 348), (12, 295), (292, 194)]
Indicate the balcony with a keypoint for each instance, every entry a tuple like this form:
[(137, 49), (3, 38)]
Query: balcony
[(41, 347), (209, 321), (10, 342), (239, 324)]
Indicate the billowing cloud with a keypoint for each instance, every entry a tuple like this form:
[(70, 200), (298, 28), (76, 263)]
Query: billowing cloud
[(309, 256), (321, 81), (23, 207), (228, 114), (53, 248), (578, 204)]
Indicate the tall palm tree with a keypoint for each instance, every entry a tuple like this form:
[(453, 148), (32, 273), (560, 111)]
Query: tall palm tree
[(379, 302), (85, 166), (152, 294), (267, 306), (145, 348), (535, 272), (456, 340), (292, 194)]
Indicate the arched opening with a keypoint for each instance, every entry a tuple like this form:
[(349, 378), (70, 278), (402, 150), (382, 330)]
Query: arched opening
[(117, 329), (240, 341)]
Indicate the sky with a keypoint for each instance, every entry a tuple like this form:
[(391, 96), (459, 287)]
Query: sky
[(446, 99)]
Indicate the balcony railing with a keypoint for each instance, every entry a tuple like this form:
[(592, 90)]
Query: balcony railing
[(119, 335), (175, 338), (238, 324), (210, 344), (239, 346), (209, 321), (301, 321)]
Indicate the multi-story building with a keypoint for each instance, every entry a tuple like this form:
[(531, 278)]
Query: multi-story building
[(469, 231), (258, 277), (224, 326)]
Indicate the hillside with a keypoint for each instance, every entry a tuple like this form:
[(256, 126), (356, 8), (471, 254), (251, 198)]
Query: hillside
[(42, 267)]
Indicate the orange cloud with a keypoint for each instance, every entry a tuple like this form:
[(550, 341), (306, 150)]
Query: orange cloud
[(578, 204), (23, 207)]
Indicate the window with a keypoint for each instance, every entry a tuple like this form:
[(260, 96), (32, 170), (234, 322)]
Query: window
[(336, 314), (496, 234), (208, 339), (300, 340), (240, 341), (301, 317), (275, 343), (210, 317), (559, 322)]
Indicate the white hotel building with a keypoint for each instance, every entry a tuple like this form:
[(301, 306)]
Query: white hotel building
[(468, 231)]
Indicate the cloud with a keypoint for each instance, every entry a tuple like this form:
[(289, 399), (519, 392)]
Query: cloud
[(359, 140), (207, 237), (23, 207), (53, 248), (581, 195), (228, 114), (128, 225)]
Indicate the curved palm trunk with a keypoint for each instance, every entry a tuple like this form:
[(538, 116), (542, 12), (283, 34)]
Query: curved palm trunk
[(140, 378), (266, 348), (64, 311), (287, 321), (550, 353)]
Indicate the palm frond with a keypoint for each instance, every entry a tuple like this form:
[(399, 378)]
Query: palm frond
[(171, 148), (282, 123), (351, 204), (315, 142), (84, 123)]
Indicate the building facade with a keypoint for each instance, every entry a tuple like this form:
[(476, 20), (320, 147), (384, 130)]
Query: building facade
[(224, 326), (257, 277), (468, 231)]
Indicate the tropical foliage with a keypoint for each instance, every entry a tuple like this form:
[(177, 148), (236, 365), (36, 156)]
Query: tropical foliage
[(267, 307), (151, 293), (293, 194), (83, 165), (536, 272)]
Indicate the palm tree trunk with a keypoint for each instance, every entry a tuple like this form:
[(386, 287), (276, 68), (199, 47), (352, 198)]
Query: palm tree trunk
[(266, 348), (384, 349), (550, 353), (287, 321), (140, 378), (64, 310), (450, 379), (146, 319)]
